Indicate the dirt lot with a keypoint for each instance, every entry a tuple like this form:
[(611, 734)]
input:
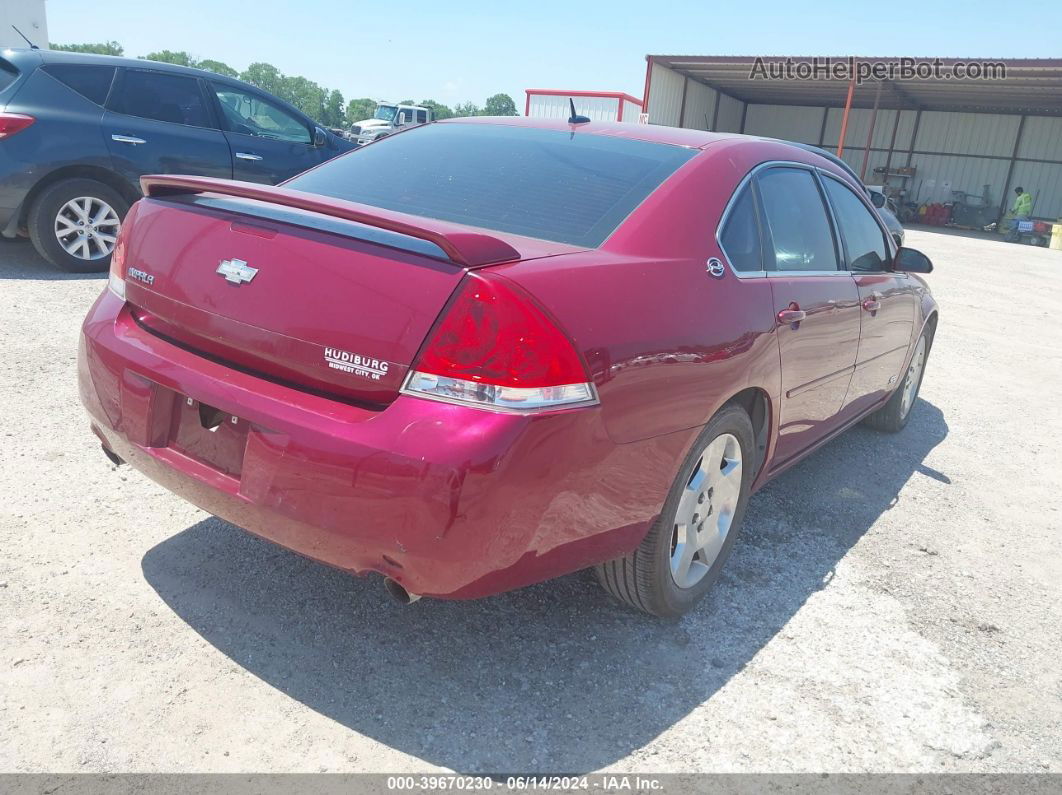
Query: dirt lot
[(894, 604)]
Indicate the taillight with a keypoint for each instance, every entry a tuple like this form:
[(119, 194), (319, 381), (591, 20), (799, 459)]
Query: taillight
[(495, 347), (11, 123), (116, 279)]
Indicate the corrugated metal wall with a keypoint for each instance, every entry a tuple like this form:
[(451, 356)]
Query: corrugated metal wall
[(665, 96), (700, 105), (950, 152), (548, 106), (631, 111), (782, 121), (729, 117)]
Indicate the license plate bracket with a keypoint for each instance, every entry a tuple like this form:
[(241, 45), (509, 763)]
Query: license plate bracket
[(208, 434)]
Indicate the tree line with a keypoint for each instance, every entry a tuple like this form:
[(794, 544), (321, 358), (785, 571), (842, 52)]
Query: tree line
[(325, 106)]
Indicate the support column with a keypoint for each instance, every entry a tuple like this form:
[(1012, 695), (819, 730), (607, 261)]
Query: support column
[(682, 107), (822, 127), (847, 109), (870, 134), (1010, 170), (892, 144)]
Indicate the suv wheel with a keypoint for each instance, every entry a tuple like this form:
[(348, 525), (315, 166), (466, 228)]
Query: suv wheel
[(74, 224)]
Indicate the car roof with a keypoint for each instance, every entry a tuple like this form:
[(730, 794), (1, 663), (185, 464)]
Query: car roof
[(693, 139), (656, 133), (87, 58)]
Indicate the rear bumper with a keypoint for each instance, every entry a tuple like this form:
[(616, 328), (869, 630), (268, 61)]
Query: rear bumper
[(447, 500)]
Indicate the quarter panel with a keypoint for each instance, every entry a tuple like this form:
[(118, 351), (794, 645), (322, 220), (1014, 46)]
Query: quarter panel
[(666, 343)]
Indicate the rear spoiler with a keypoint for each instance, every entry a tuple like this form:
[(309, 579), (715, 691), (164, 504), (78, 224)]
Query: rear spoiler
[(462, 246)]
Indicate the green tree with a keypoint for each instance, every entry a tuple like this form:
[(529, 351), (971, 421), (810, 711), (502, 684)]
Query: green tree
[(218, 67), (360, 109), (264, 75), (466, 109), (499, 105), (101, 48), (181, 58), (333, 110), (305, 95), (439, 111)]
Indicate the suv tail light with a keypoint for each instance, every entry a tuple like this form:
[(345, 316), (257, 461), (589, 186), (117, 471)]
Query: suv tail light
[(11, 123), (495, 347)]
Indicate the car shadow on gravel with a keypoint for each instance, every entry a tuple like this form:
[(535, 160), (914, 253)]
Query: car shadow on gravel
[(20, 260), (555, 677)]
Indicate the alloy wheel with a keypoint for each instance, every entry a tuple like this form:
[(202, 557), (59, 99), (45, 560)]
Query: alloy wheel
[(87, 227), (913, 378), (706, 511)]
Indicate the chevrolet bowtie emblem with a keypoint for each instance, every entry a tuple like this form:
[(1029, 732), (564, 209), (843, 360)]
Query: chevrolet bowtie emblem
[(236, 271)]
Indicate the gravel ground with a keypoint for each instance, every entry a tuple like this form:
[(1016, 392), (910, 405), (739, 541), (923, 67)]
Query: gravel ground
[(894, 604)]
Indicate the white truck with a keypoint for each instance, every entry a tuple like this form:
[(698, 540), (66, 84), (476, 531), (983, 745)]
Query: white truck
[(389, 118)]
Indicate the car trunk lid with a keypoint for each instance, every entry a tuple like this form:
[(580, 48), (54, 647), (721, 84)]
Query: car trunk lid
[(324, 295)]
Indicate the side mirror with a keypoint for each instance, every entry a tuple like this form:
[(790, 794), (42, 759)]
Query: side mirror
[(877, 199), (909, 260), (320, 137)]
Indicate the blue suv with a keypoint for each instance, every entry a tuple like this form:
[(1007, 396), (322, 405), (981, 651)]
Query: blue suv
[(77, 132)]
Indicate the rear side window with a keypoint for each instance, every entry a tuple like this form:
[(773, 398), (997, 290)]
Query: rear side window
[(863, 238), (422, 117), (741, 234), (8, 74), (570, 188), (91, 82), (163, 97), (796, 219)]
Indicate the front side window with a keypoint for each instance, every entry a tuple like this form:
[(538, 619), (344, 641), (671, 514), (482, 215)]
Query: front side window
[(163, 97), (249, 114), (91, 82), (800, 234), (741, 234), (863, 238), (553, 185)]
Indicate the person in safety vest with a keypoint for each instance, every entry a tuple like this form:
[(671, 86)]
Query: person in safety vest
[(1019, 211)]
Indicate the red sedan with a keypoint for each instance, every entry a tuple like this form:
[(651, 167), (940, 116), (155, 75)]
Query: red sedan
[(487, 352)]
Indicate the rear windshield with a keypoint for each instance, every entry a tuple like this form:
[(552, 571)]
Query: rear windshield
[(539, 183)]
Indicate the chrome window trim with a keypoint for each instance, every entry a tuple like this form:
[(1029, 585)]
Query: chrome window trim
[(761, 274)]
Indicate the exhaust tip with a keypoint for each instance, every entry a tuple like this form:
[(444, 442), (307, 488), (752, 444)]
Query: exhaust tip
[(398, 593), (112, 456)]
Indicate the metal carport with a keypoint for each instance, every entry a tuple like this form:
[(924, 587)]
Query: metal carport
[(954, 133)]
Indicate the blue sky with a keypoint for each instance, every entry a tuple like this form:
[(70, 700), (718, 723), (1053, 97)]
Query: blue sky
[(453, 51)]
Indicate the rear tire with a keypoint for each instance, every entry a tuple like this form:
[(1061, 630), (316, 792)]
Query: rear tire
[(894, 415), (703, 512), (52, 212)]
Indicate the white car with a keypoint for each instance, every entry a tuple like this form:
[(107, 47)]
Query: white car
[(886, 211)]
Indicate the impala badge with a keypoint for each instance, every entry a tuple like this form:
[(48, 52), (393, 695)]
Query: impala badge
[(236, 271)]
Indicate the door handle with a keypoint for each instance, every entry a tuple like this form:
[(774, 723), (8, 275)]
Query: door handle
[(128, 139), (872, 304), (792, 316), (247, 156)]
